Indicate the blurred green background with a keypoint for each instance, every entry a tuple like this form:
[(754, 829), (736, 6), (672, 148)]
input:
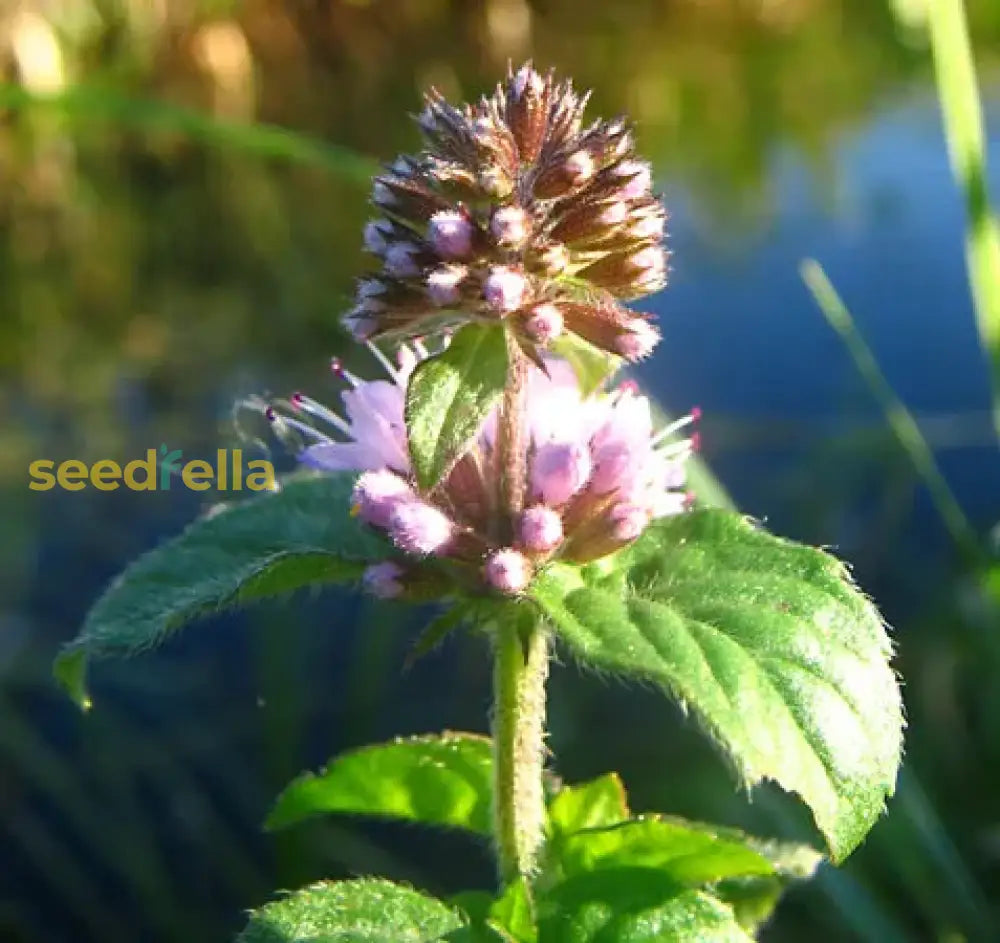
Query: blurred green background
[(163, 253)]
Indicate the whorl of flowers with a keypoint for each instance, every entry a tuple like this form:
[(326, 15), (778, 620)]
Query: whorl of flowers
[(597, 474), (516, 210)]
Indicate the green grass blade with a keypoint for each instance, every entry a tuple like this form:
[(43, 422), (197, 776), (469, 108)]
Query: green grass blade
[(900, 420), (87, 103), (961, 110)]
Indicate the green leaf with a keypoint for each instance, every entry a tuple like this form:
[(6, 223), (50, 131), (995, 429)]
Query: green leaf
[(633, 905), (364, 911), (436, 780), (769, 642), (753, 898), (513, 912), (271, 544), (450, 395), (689, 856), (592, 366), (601, 801)]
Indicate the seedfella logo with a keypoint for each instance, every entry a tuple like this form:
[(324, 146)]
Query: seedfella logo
[(155, 472)]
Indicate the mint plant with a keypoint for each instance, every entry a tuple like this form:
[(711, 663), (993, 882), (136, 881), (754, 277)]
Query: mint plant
[(493, 468)]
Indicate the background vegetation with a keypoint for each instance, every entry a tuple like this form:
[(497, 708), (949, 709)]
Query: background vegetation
[(182, 187)]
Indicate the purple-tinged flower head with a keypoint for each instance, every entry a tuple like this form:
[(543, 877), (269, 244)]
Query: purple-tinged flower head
[(383, 580), (515, 183), (598, 472), (416, 526), (508, 570), (541, 528)]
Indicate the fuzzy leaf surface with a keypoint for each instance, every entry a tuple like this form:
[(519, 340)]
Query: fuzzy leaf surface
[(450, 395), (633, 905), (435, 780), (362, 911), (688, 856), (767, 641), (268, 545)]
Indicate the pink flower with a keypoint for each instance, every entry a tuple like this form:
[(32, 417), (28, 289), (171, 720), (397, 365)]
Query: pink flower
[(598, 473)]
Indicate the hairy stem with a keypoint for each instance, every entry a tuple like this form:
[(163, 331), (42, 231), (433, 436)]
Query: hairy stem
[(512, 436), (520, 669)]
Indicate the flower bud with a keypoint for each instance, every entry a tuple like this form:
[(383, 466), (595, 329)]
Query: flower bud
[(400, 259), (637, 341), (578, 168), (509, 225), (638, 177), (508, 570), (381, 580), (450, 234), (376, 495), (370, 289), (418, 527), (444, 284), (628, 521), (359, 325), (558, 471), (504, 289), (541, 529), (375, 235), (544, 324)]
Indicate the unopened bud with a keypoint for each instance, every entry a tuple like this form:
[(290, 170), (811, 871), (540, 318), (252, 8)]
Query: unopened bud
[(359, 325), (400, 259), (638, 177), (527, 81), (628, 521), (544, 324), (418, 527), (376, 495), (579, 168), (541, 529), (450, 234), (376, 233), (504, 289), (637, 341), (508, 570), (509, 225), (444, 284)]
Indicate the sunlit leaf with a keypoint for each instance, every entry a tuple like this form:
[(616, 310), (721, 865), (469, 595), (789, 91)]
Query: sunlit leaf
[(364, 911), (633, 905), (767, 641), (269, 545), (450, 395), (435, 780), (689, 856), (600, 801)]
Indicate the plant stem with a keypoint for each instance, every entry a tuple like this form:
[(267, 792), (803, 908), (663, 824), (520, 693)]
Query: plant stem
[(512, 435), (520, 669)]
